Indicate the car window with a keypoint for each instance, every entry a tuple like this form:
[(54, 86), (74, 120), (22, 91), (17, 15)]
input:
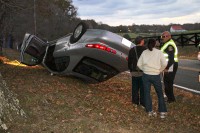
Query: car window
[(32, 50), (30, 60), (62, 63), (95, 69)]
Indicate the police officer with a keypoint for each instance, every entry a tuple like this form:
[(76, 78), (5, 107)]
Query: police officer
[(171, 54)]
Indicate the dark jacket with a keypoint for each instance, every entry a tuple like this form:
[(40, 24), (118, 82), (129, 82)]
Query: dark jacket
[(132, 59)]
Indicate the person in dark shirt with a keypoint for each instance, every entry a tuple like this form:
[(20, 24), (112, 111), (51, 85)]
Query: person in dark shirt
[(137, 84)]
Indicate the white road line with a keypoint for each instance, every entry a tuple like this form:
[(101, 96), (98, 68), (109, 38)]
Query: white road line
[(188, 68), (181, 87), (187, 89)]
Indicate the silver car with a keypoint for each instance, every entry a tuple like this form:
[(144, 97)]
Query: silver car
[(91, 54)]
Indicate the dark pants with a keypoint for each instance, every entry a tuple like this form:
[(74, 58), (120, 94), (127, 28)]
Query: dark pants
[(168, 82), (156, 81), (137, 85)]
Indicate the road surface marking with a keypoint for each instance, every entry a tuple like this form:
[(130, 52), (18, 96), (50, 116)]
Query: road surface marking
[(181, 87), (188, 68), (187, 89)]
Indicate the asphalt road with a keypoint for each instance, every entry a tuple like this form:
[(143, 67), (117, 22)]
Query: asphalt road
[(187, 75)]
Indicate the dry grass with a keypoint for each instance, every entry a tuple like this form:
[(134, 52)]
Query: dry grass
[(63, 104), (188, 52)]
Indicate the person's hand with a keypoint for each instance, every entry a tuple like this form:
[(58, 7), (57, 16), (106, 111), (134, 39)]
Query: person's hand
[(131, 73), (165, 71)]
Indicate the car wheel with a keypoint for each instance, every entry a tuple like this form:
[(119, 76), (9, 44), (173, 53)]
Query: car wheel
[(78, 32)]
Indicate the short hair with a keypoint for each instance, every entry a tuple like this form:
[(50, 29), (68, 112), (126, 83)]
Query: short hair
[(167, 33), (138, 40)]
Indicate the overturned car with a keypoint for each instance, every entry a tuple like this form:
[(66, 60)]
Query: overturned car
[(91, 54)]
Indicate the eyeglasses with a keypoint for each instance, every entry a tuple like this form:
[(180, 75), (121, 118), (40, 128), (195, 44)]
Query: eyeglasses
[(164, 36)]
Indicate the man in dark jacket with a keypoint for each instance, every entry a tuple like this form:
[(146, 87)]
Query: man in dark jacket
[(134, 54)]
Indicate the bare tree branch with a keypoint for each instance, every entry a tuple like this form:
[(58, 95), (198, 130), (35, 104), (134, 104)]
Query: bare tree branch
[(10, 4)]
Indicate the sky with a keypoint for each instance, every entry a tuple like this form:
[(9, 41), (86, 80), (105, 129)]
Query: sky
[(129, 12)]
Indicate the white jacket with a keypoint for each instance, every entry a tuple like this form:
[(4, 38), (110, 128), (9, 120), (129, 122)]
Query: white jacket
[(152, 62)]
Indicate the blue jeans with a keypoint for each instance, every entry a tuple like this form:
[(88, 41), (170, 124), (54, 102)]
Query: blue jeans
[(156, 81), (137, 85)]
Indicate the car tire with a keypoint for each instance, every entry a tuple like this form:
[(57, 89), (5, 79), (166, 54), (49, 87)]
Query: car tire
[(78, 32)]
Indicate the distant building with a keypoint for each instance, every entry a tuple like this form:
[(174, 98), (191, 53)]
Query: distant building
[(177, 28)]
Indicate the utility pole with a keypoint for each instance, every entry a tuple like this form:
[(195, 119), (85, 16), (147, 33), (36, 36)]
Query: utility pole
[(35, 24)]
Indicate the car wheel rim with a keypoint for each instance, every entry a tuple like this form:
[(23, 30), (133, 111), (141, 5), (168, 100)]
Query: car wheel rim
[(78, 31)]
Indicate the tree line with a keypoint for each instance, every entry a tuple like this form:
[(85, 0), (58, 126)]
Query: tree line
[(51, 19)]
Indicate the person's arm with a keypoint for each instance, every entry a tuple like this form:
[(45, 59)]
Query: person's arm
[(135, 58), (163, 61), (170, 51), (130, 60), (140, 62)]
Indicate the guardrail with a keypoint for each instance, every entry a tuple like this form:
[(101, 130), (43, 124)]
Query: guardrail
[(182, 39)]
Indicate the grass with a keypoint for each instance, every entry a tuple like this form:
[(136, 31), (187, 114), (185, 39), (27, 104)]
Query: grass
[(60, 104), (188, 52)]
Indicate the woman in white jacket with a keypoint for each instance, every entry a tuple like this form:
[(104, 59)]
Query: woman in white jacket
[(152, 62)]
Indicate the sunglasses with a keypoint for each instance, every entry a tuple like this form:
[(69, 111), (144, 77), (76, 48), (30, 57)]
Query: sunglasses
[(164, 36)]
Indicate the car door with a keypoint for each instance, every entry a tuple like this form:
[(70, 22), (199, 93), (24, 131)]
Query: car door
[(32, 50)]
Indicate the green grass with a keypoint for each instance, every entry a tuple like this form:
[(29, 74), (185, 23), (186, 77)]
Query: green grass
[(133, 35)]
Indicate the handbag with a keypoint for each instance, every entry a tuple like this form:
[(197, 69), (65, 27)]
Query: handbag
[(137, 73)]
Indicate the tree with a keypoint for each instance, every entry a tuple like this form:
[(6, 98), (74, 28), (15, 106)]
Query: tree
[(127, 37), (7, 9), (54, 18)]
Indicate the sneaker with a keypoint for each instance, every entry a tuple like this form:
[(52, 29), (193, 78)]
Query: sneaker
[(135, 105), (143, 107), (150, 114), (163, 115)]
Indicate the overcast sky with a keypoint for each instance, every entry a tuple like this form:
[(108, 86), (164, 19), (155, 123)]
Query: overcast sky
[(127, 12)]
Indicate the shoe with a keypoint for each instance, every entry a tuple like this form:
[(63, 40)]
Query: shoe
[(150, 114), (142, 106), (163, 115), (135, 105)]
